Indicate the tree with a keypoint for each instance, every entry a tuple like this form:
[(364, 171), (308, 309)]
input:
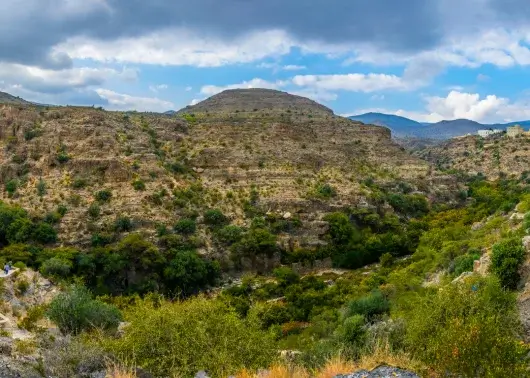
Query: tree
[(75, 311), (188, 273), (507, 256)]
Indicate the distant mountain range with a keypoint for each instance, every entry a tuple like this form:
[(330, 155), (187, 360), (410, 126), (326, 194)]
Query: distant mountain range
[(402, 127)]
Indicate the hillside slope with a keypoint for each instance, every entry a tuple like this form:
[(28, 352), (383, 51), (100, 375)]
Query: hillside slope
[(6, 98), (296, 160), (492, 156)]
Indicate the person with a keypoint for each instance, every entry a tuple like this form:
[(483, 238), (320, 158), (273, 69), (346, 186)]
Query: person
[(6, 268)]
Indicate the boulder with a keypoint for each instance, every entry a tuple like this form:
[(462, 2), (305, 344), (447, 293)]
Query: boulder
[(381, 372)]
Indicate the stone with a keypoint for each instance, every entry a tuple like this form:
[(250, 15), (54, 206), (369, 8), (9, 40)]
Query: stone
[(381, 372), (482, 265), (526, 243), (287, 215), (6, 346)]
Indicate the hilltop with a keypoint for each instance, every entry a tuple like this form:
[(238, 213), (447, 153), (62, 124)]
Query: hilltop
[(256, 99)]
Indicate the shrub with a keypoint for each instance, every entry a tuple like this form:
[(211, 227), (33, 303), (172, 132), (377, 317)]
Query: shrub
[(123, 224), (11, 187), (20, 231), (369, 306), (467, 329), (63, 157), (138, 185), (286, 276), (187, 273), (94, 210), (22, 286), (75, 311), (16, 253), (79, 183), (464, 263), (103, 195), (386, 260), (214, 217), (44, 233), (352, 331), (41, 188), (197, 334), (56, 267), (230, 234), (507, 255), (326, 191), (185, 226)]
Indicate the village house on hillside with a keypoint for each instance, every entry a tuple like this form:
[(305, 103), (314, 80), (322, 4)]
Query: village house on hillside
[(489, 132), (513, 131)]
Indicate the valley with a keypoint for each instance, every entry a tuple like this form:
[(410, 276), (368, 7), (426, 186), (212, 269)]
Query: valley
[(257, 230)]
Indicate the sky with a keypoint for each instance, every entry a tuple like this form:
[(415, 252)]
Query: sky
[(426, 60)]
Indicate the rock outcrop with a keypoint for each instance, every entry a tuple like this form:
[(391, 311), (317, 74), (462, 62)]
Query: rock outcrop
[(381, 372)]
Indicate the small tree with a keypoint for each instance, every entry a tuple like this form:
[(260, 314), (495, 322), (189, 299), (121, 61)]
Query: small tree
[(507, 256), (75, 311)]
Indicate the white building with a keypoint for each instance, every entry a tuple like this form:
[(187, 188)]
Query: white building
[(513, 131), (489, 132)]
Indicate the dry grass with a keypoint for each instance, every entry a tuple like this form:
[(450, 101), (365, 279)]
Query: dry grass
[(117, 371), (381, 356)]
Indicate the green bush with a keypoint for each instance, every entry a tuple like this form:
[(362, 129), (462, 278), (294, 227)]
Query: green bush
[(230, 234), (44, 233), (182, 338), (467, 329), (123, 224), (103, 195), (326, 191), (352, 331), (94, 210), (138, 185), (506, 258), (214, 217), (11, 187), (20, 230), (369, 306), (187, 273), (465, 263), (185, 226), (386, 260), (16, 253), (56, 267), (75, 311), (41, 188)]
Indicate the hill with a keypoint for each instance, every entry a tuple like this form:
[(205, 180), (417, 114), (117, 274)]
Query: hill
[(256, 99), (492, 157), (6, 98), (291, 158), (402, 127)]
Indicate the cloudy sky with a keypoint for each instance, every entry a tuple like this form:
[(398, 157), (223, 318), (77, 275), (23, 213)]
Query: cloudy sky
[(427, 60)]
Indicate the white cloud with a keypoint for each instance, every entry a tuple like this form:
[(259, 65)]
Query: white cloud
[(119, 101), (377, 97), (157, 88), (317, 95), (355, 82), (210, 90), (180, 47), (188, 89), (482, 77), (293, 67), (490, 109), (54, 81)]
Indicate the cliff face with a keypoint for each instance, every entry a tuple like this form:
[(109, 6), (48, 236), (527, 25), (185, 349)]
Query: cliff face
[(159, 169)]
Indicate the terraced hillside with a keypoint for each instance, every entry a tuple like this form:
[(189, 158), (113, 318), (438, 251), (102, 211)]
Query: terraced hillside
[(492, 157), (293, 159)]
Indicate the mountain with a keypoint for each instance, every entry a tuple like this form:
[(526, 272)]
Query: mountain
[(6, 98), (402, 127), (170, 112)]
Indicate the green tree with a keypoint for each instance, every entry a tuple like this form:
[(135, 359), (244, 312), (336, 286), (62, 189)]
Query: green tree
[(75, 311), (507, 255), (187, 273)]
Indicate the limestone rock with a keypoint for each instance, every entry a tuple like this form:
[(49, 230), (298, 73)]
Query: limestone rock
[(381, 372)]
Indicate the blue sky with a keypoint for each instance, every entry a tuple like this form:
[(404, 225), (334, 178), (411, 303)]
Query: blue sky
[(441, 59)]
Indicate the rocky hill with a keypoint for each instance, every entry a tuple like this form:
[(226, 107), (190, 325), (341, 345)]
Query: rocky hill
[(288, 155), (6, 98), (494, 156)]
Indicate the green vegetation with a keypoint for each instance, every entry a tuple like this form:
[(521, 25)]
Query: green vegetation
[(506, 258), (75, 311)]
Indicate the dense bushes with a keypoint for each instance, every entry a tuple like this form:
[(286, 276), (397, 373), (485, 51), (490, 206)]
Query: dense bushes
[(75, 311), (467, 329), (182, 338), (17, 227), (507, 256)]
